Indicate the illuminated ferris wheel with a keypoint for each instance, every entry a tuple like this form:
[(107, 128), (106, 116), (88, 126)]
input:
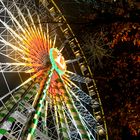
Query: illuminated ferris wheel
[(47, 91)]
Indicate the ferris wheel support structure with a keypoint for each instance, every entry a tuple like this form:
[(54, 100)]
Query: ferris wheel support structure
[(26, 106)]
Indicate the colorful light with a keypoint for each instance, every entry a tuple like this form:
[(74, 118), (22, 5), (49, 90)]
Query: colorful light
[(47, 64)]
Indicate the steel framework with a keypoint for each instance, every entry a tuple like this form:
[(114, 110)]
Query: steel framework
[(63, 116)]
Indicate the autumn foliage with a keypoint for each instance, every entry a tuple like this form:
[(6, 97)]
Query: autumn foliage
[(118, 80)]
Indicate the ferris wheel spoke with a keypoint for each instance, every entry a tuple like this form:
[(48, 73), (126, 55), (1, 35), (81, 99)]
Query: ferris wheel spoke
[(48, 37), (86, 116), (42, 33), (54, 42), (46, 110), (54, 130), (39, 105), (13, 46), (74, 113), (56, 118), (65, 117), (87, 119), (72, 60), (75, 77), (41, 120), (42, 85), (77, 92), (57, 125), (76, 118), (74, 135), (55, 113), (31, 19), (16, 67), (63, 128)]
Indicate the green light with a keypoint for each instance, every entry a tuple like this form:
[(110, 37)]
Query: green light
[(54, 65)]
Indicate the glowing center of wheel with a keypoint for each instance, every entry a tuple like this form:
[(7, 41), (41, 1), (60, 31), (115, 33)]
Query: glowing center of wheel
[(57, 61)]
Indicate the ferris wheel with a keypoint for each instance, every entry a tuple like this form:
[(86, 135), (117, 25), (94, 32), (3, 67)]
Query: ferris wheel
[(47, 91)]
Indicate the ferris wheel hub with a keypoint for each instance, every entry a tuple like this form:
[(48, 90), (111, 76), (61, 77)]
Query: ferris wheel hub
[(57, 61)]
